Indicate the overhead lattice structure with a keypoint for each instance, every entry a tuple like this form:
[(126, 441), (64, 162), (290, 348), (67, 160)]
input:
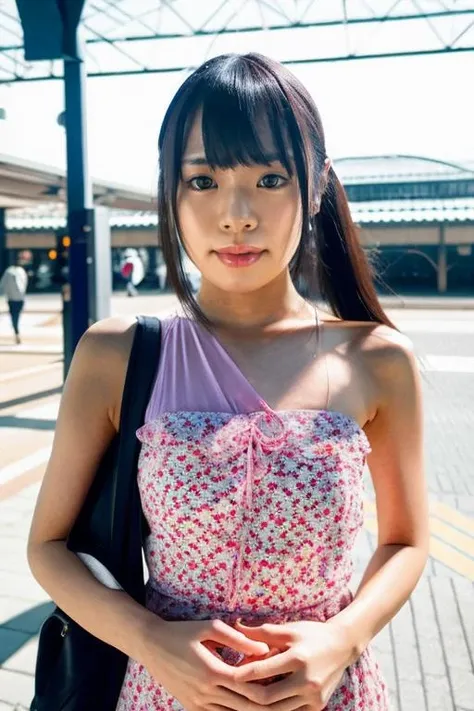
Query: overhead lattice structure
[(140, 36)]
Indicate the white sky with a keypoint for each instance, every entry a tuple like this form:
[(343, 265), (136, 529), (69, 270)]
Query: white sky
[(419, 105)]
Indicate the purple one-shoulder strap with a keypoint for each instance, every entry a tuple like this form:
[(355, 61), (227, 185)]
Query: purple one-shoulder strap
[(195, 374)]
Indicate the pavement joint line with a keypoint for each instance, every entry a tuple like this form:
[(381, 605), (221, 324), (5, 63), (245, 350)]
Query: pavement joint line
[(395, 664), (439, 550), (45, 411), (34, 370), (443, 643), (448, 364), (464, 543), (25, 411), (18, 671), (452, 558), (437, 510), (21, 466), (462, 625), (416, 635), (438, 327), (456, 519), (32, 349)]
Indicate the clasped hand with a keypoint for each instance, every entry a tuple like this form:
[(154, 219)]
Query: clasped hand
[(312, 655)]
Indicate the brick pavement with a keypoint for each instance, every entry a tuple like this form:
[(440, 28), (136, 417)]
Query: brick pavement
[(426, 653)]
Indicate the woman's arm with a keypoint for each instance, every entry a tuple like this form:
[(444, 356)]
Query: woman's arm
[(397, 467), (87, 422)]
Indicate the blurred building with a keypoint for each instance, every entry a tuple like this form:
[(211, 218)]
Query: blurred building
[(416, 219)]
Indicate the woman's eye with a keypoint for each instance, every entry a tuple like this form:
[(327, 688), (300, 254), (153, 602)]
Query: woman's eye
[(272, 181), (201, 182)]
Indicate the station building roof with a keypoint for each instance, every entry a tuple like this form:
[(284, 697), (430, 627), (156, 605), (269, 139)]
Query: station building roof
[(400, 168), (413, 211)]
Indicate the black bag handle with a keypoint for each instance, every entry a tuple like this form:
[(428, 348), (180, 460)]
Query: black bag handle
[(110, 524)]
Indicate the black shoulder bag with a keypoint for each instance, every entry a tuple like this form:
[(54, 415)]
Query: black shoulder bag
[(76, 671)]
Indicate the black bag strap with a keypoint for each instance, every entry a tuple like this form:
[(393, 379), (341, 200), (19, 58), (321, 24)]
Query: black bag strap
[(110, 523), (127, 515)]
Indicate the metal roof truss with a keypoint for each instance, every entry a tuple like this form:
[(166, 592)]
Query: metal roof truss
[(155, 36)]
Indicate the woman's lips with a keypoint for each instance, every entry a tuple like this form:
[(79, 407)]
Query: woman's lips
[(239, 260)]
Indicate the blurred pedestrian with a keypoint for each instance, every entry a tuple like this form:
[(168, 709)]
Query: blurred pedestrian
[(14, 283), (161, 271), (127, 273), (132, 270)]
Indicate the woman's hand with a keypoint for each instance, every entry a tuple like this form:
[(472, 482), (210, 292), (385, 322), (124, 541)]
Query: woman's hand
[(184, 658), (313, 658)]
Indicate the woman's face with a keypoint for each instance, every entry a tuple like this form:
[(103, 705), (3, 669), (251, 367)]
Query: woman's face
[(256, 207)]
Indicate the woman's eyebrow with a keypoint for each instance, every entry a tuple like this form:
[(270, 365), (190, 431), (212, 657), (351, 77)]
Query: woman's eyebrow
[(196, 160)]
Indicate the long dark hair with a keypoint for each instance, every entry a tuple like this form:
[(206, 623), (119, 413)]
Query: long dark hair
[(234, 92)]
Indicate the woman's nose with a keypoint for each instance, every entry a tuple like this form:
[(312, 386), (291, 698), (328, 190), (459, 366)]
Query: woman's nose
[(235, 224), (238, 217)]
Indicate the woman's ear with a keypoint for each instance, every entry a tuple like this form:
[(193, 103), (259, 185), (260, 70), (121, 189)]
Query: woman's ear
[(315, 205), (323, 181)]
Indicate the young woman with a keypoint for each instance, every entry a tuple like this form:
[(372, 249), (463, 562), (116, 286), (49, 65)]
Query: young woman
[(264, 412)]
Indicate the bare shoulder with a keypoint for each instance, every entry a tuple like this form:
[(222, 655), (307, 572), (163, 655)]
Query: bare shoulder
[(376, 342), (386, 347), (390, 361), (105, 346), (101, 359), (384, 361), (112, 337), (377, 337)]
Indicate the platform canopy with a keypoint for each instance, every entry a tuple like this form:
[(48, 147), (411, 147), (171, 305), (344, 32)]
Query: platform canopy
[(149, 36), (27, 184)]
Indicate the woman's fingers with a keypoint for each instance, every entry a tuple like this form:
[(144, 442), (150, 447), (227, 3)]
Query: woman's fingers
[(220, 631), (282, 663)]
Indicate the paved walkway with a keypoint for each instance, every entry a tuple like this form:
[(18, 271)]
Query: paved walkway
[(426, 653)]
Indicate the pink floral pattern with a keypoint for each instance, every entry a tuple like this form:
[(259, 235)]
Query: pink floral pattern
[(252, 516)]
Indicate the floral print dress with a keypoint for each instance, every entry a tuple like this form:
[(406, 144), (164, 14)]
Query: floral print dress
[(252, 514)]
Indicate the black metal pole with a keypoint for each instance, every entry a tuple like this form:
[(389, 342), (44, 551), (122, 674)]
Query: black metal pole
[(442, 260), (79, 198), (4, 261)]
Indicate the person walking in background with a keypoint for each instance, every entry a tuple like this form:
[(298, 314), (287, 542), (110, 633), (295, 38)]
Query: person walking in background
[(127, 273), (132, 270), (14, 283), (161, 271)]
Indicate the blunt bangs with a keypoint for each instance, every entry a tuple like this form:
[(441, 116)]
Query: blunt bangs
[(245, 115), (253, 112), (242, 110)]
